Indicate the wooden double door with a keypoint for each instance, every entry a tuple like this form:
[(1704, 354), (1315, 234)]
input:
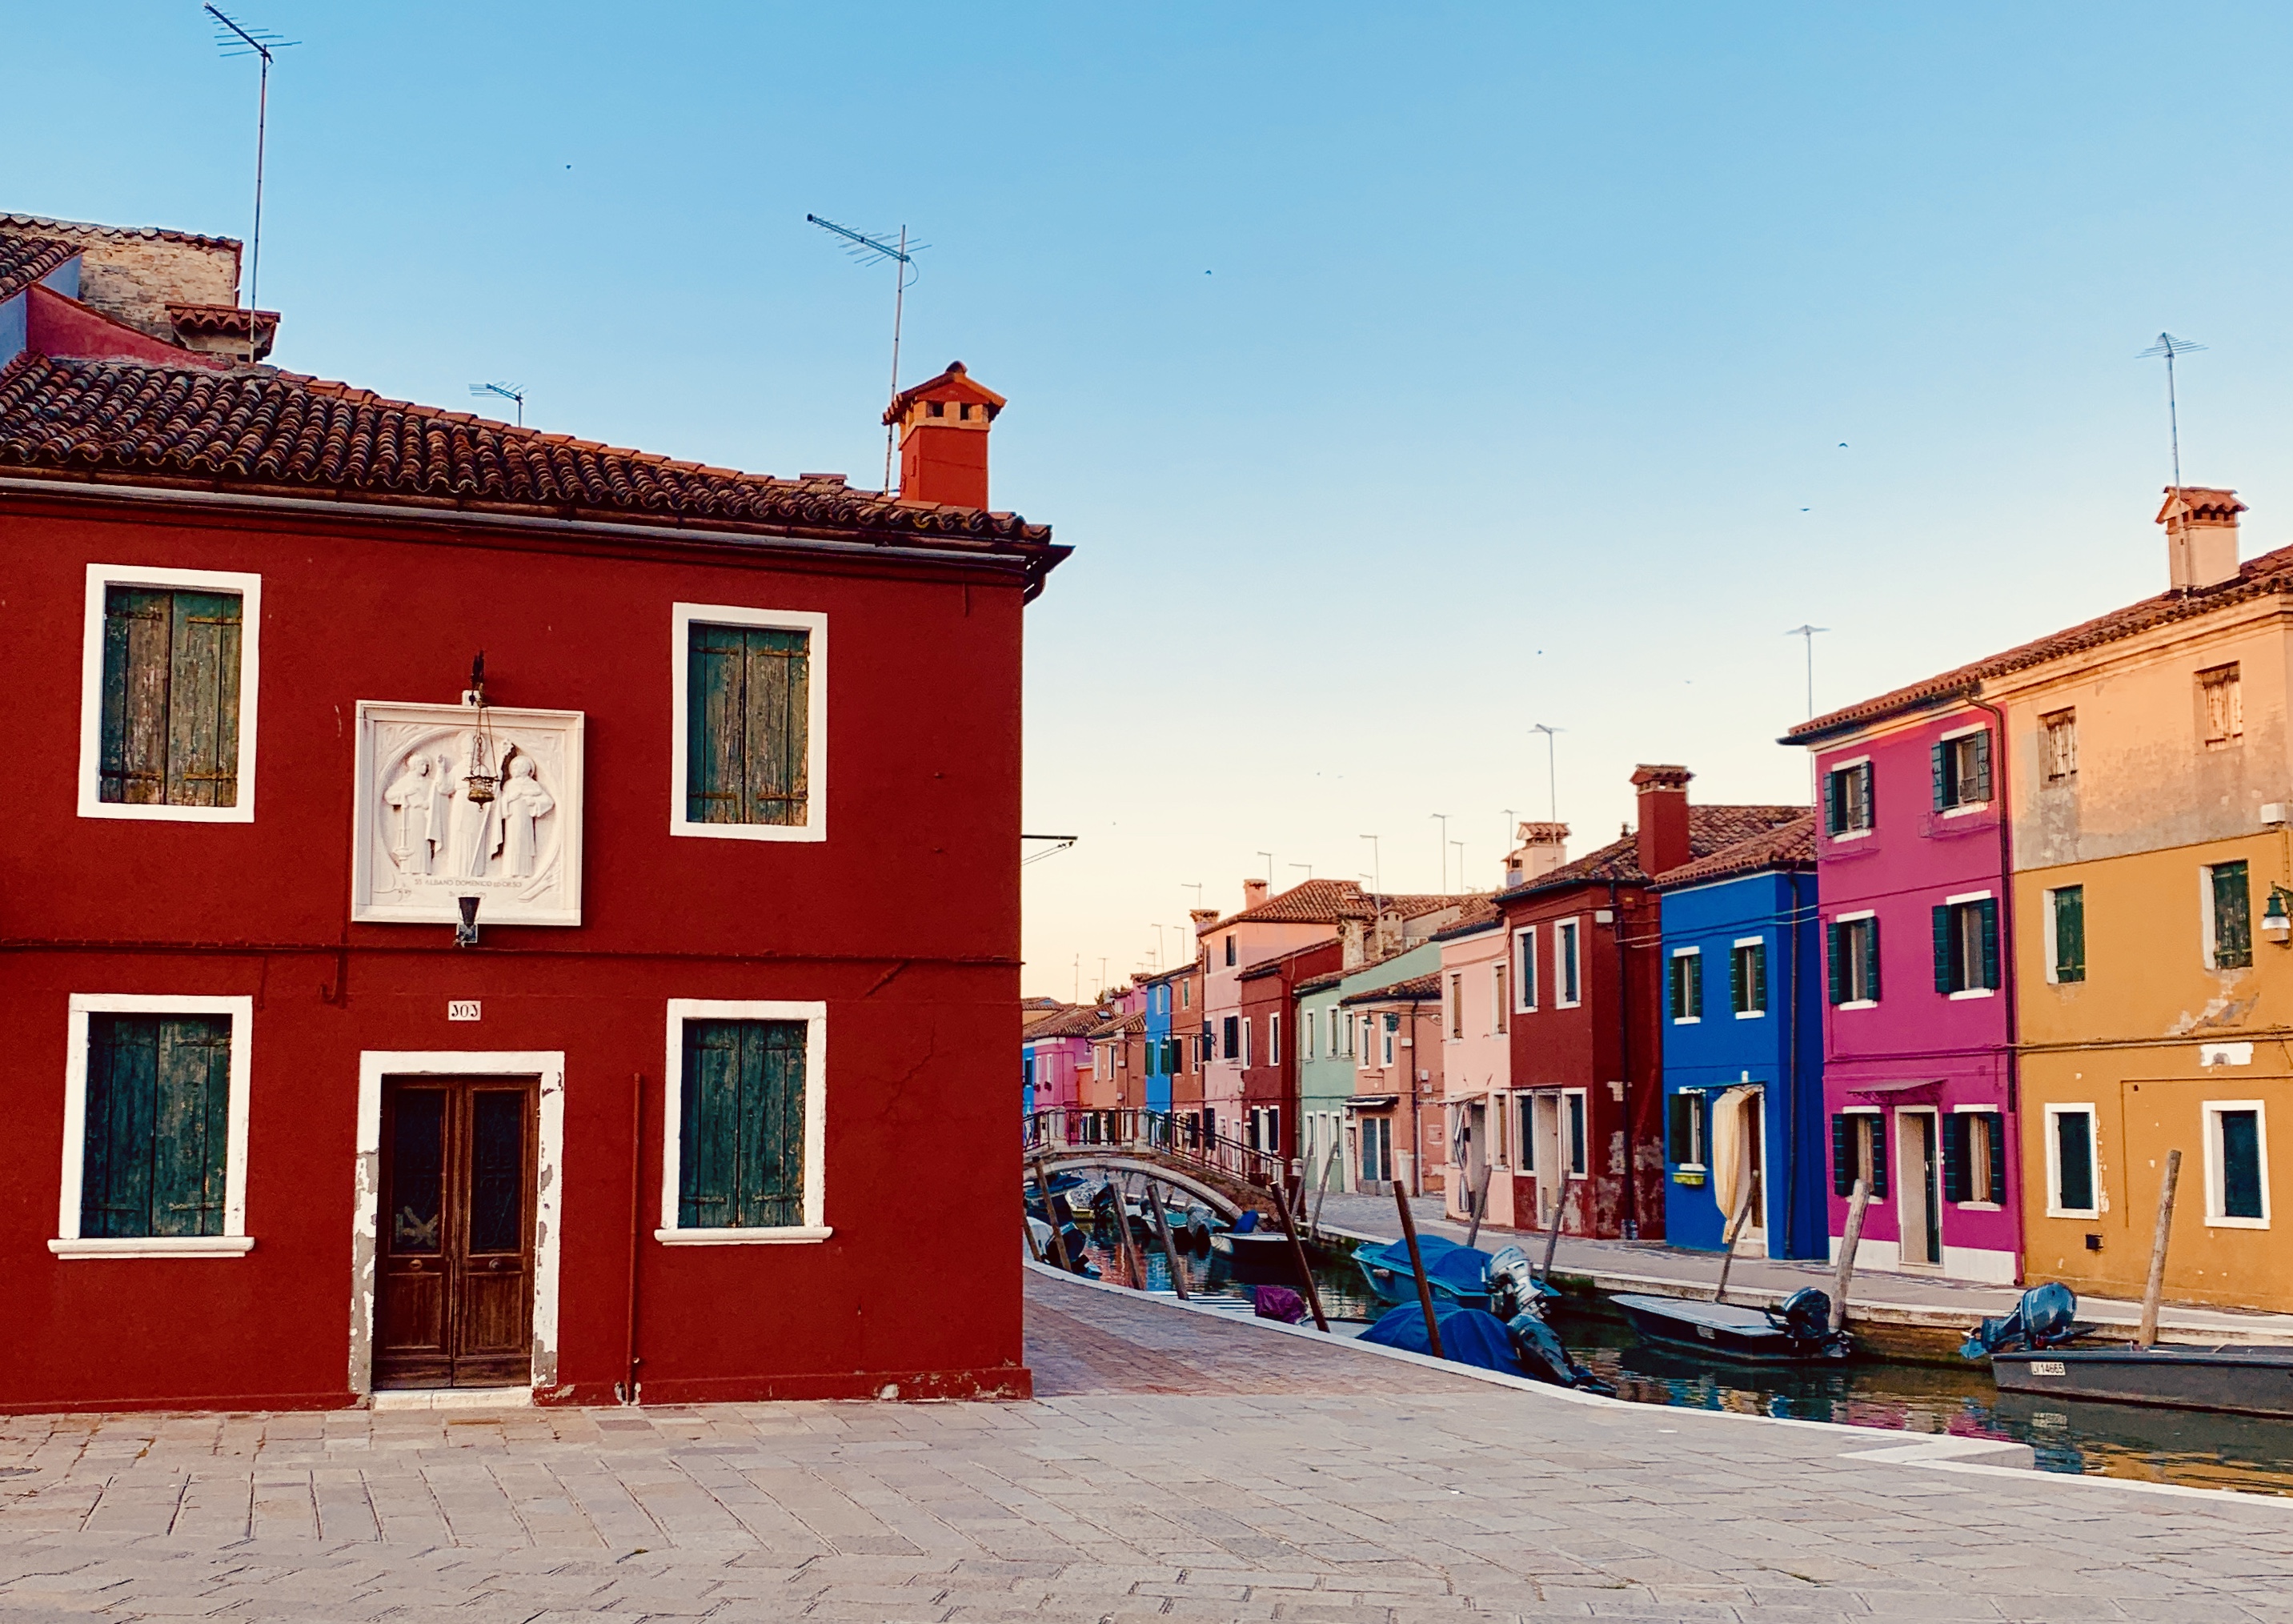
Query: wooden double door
[(454, 1300)]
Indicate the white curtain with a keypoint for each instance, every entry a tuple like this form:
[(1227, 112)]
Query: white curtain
[(1731, 1150)]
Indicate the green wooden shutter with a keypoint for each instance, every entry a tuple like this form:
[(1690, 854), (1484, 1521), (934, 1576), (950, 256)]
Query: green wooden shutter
[(1833, 951), (203, 700), (708, 1142), (1939, 764), (778, 727), (715, 724), (2232, 917), (2240, 1164), (1990, 909), (1831, 807), (1759, 957), (1866, 783), (2070, 933), (1878, 1158), (137, 623), (1871, 936), (1998, 1156), (1955, 1167), (1735, 980), (1978, 745), (1842, 1156), (2074, 1160), (1944, 980), (157, 1126)]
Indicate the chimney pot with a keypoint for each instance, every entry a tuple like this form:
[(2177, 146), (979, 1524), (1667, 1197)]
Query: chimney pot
[(944, 424), (1663, 817), (2201, 536), (1253, 893)]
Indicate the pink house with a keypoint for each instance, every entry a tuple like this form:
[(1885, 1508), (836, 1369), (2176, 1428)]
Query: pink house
[(1265, 927)]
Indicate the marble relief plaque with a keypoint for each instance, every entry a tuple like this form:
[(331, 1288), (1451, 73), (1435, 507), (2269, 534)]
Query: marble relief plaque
[(422, 838)]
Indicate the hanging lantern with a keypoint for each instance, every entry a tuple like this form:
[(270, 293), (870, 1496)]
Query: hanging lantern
[(2275, 923), (484, 772)]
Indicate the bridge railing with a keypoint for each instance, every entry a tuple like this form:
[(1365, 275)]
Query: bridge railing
[(1170, 1134)]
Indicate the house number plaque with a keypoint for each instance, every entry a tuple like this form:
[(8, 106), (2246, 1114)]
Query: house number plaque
[(461, 1009)]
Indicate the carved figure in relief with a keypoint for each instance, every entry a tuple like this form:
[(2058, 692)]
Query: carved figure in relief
[(441, 812), (409, 796), (521, 802)]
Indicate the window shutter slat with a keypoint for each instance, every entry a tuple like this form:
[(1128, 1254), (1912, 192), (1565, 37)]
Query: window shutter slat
[(1878, 1158), (190, 1125), (707, 1143), (1831, 821), (1871, 935), (1842, 1156), (1736, 979), (1944, 981), (1760, 976), (1979, 745), (1838, 966), (774, 732), (1989, 907), (202, 699), (715, 722), (116, 1156), (1938, 763), (1954, 1171), (1997, 1158)]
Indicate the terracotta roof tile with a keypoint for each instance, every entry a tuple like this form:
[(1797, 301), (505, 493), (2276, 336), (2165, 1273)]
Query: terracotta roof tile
[(1325, 902), (1482, 915), (10, 223), (1074, 1022), (1710, 829), (25, 260), (2259, 577), (1120, 1026), (286, 433), (1427, 985), (1789, 846)]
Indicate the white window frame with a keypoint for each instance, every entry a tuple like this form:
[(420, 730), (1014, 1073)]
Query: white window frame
[(1305, 1036), (1686, 1020), (1963, 992), (2211, 1112), (1387, 1039), (815, 1226), (1568, 933), (1998, 1115), (683, 618), (1849, 766), (250, 588), (1497, 1023), (1245, 1054), (1274, 1038), (1760, 942), (234, 1241), (2055, 1159), (1849, 919), (2046, 925), (1525, 977)]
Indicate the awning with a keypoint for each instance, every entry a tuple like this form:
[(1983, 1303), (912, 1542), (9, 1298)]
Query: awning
[(1373, 1102), (1925, 1093)]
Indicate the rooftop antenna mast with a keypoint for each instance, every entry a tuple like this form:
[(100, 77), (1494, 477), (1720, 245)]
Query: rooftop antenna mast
[(1551, 765), (2168, 346), (513, 393), (874, 251), (1810, 633), (236, 40)]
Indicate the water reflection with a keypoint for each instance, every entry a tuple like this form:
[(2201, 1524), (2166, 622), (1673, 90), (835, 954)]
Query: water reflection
[(2163, 1446)]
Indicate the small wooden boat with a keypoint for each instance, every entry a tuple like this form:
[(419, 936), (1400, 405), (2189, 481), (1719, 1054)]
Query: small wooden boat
[(1799, 1333), (1464, 1276), (2232, 1378)]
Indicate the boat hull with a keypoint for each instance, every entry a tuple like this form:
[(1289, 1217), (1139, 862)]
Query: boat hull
[(1716, 1327), (2248, 1381)]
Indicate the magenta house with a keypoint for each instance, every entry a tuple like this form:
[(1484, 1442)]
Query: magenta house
[(1918, 1074)]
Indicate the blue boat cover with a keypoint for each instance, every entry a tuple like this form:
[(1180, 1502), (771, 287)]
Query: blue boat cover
[(1462, 1270), (1468, 1336)]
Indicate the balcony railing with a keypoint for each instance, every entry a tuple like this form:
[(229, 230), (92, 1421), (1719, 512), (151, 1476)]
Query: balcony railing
[(1169, 1135)]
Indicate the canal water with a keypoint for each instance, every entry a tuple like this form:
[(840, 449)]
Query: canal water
[(2163, 1446)]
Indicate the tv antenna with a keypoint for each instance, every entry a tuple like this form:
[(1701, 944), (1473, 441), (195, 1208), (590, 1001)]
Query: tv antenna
[(513, 393), (234, 40), (2168, 346), (868, 250), (1810, 633), (1552, 766)]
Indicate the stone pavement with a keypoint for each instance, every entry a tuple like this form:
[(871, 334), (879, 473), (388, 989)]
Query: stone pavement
[(1878, 1294), (1181, 1466)]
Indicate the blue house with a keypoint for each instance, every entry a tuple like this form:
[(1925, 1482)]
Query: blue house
[(1162, 1053), (1743, 980)]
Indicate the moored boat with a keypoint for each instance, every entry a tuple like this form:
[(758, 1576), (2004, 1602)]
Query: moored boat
[(1501, 1282), (1798, 1333), (2246, 1379)]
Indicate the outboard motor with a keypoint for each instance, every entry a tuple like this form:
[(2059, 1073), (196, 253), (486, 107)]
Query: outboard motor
[(1805, 1317), (1512, 1284), (1543, 1358), (2043, 1319)]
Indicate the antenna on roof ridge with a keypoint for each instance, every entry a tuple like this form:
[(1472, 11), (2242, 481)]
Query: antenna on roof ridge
[(513, 393), (2168, 346), (235, 39), (874, 251)]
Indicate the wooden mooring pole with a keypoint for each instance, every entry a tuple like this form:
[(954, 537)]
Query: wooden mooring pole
[(1728, 1243), (2148, 1336), (1417, 1268), (1847, 1243), (1043, 1188), (1480, 1206), (1552, 1229), (1123, 1246), (1297, 1256), (1170, 1247)]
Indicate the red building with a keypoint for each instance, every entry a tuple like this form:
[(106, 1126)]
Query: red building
[(1269, 1071), (380, 1028), (1587, 1035)]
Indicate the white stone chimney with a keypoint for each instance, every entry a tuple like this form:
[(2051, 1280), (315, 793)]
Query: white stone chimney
[(1253, 893), (2201, 536)]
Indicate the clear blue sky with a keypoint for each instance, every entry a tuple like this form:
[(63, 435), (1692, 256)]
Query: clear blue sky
[(1401, 376)]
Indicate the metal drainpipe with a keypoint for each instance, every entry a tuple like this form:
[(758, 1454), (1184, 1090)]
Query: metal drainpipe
[(2005, 801), (1625, 1064), (1790, 935)]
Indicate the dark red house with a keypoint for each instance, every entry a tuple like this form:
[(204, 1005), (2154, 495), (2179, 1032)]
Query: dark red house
[(1270, 1072), (566, 1028), (1586, 1028)]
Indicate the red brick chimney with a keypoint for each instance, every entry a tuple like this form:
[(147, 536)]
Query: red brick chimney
[(943, 426), (1664, 818), (1253, 893)]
